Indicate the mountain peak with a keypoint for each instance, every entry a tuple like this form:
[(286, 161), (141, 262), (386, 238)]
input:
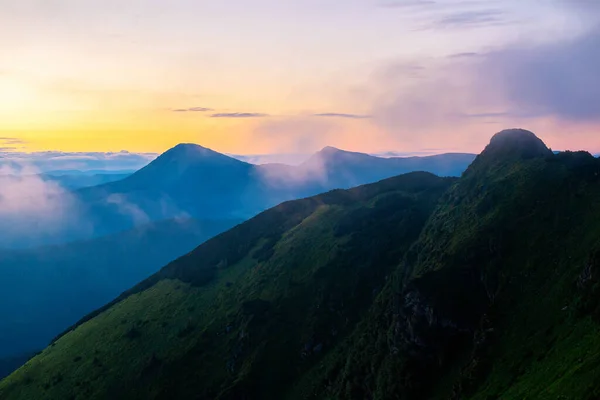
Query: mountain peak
[(330, 150), (516, 143), (331, 154), (189, 149), (190, 153), (183, 158), (507, 146)]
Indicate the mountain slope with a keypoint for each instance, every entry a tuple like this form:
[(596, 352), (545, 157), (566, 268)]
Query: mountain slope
[(45, 290), (483, 287), (498, 299), (270, 289)]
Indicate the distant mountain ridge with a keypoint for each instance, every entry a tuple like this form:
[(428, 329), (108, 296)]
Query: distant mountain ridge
[(188, 180), (202, 183)]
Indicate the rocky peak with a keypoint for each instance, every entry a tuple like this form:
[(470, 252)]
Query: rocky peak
[(519, 143)]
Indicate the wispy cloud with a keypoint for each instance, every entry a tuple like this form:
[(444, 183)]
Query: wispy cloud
[(301, 134), (239, 115), (452, 14), (487, 115), (11, 140), (57, 160), (407, 3), (193, 109), (471, 19), (342, 115), (273, 158), (32, 209), (464, 55)]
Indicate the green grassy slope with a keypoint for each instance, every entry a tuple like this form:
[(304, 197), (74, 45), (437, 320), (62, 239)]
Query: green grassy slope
[(279, 290)]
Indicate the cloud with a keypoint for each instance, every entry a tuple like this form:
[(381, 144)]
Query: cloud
[(342, 115), (558, 78), (545, 83), (273, 158), (407, 3), (470, 19), (193, 109), (32, 209), (422, 153), (125, 207), (84, 161), (452, 14), (239, 115), (487, 115), (302, 134), (11, 140), (464, 55)]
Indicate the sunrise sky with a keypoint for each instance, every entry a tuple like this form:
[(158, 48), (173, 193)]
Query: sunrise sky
[(273, 76)]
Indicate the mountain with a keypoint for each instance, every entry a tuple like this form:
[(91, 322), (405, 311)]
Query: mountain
[(202, 183), (416, 287), (237, 271), (45, 290), (346, 169)]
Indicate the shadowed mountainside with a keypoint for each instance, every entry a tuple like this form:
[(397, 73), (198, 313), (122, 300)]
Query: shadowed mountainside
[(416, 287)]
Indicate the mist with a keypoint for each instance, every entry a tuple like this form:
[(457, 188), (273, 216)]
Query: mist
[(33, 210)]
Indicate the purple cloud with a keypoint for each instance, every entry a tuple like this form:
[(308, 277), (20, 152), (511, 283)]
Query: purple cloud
[(342, 115), (239, 115)]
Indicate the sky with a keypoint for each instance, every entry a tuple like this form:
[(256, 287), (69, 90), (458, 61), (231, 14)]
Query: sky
[(293, 76)]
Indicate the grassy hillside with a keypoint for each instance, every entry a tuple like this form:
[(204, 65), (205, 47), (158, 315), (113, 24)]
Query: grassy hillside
[(282, 288), (481, 288)]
